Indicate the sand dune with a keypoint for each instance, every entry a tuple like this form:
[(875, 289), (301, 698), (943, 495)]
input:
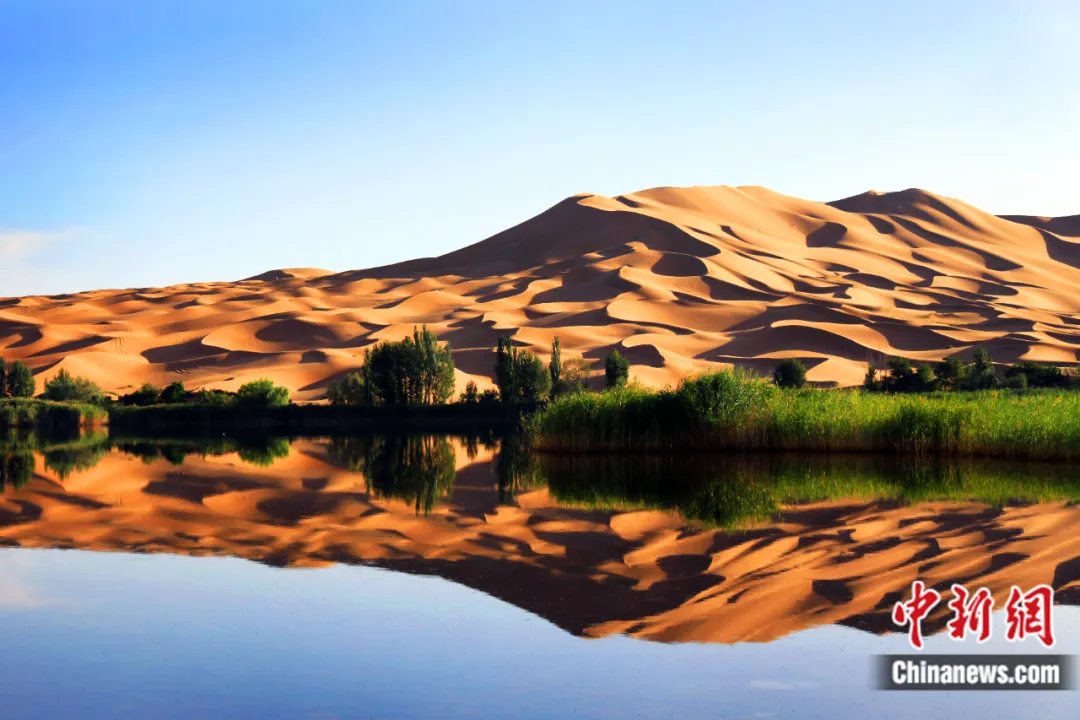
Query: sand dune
[(593, 573), (678, 279)]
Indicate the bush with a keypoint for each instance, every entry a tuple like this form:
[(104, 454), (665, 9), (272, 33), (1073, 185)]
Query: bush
[(65, 388), (146, 395), (471, 394), (574, 377), (350, 390), (519, 374), (174, 393), (616, 369), (790, 373), (262, 393), (17, 381), (413, 371)]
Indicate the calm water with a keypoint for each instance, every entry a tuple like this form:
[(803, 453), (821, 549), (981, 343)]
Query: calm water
[(438, 577)]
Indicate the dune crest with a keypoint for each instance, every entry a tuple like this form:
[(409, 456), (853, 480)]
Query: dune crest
[(679, 280)]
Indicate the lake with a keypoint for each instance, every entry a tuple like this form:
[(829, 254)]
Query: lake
[(443, 577)]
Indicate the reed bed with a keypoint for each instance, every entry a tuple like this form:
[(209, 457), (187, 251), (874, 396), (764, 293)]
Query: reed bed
[(734, 411)]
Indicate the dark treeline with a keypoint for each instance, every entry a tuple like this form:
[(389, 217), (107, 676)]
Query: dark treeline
[(953, 375)]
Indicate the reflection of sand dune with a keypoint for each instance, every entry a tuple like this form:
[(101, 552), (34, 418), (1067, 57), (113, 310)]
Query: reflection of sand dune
[(591, 572), (707, 275)]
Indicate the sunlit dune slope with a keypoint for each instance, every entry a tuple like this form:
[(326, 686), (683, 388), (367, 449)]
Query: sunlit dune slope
[(591, 572), (678, 279)]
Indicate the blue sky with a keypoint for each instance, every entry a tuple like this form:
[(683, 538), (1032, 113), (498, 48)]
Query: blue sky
[(147, 143)]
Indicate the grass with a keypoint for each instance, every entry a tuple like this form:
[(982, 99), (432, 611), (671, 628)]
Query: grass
[(733, 411), (48, 417)]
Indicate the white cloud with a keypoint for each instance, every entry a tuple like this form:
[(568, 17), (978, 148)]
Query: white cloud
[(19, 243)]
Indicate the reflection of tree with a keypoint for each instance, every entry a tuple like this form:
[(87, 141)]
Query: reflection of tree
[(419, 469), (262, 452), (66, 460), (518, 469), (16, 469), (732, 490)]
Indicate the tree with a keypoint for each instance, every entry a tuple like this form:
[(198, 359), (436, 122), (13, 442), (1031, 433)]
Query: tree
[(66, 388), (575, 376), (534, 380), (506, 360), (471, 394), (980, 373), (174, 393), (350, 390), (20, 381), (616, 369), (145, 395), (870, 380), (3, 378), (413, 371), (262, 393), (555, 366), (949, 373), (790, 373), (924, 379)]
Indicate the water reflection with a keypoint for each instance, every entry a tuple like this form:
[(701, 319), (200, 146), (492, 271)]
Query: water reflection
[(720, 548)]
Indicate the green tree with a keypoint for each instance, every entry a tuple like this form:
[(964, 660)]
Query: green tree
[(575, 376), (413, 371), (145, 395), (924, 379), (949, 374), (980, 374), (790, 373), (534, 380), (174, 393), (471, 394), (870, 380), (555, 366), (20, 381), (3, 378), (506, 378), (350, 390), (262, 393), (616, 369), (66, 388)]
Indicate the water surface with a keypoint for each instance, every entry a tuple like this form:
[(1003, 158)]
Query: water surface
[(436, 577)]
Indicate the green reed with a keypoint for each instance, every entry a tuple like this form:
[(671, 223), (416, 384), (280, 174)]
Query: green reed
[(732, 410)]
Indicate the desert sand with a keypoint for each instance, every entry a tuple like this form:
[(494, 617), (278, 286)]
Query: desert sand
[(593, 573), (679, 280)]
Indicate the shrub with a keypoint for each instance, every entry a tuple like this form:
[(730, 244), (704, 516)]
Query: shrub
[(616, 369), (146, 395), (262, 393), (1016, 382), (471, 394), (950, 374), (574, 377), (350, 390), (980, 374), (790, 373), (519, 374), (174, 393), (870, 380), (19, 381), (413, 371), (66, 388)]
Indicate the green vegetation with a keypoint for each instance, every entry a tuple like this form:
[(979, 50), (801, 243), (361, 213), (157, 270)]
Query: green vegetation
[(519, 374), (419, 469), (262, 394), (732, 410), (413, 371), (731, 490), (616, 370), (48, 417), (16, 380), (790, 373), (953, 375), (66, 388)]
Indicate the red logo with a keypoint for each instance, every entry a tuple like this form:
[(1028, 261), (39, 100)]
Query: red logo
[(1029, 613), (913, 611)]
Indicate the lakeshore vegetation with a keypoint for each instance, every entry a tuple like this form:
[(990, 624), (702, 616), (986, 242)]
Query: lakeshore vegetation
[(951, 408)]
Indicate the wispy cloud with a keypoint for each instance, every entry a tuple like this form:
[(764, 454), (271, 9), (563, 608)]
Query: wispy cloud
[(17, 595), (20, 243)]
